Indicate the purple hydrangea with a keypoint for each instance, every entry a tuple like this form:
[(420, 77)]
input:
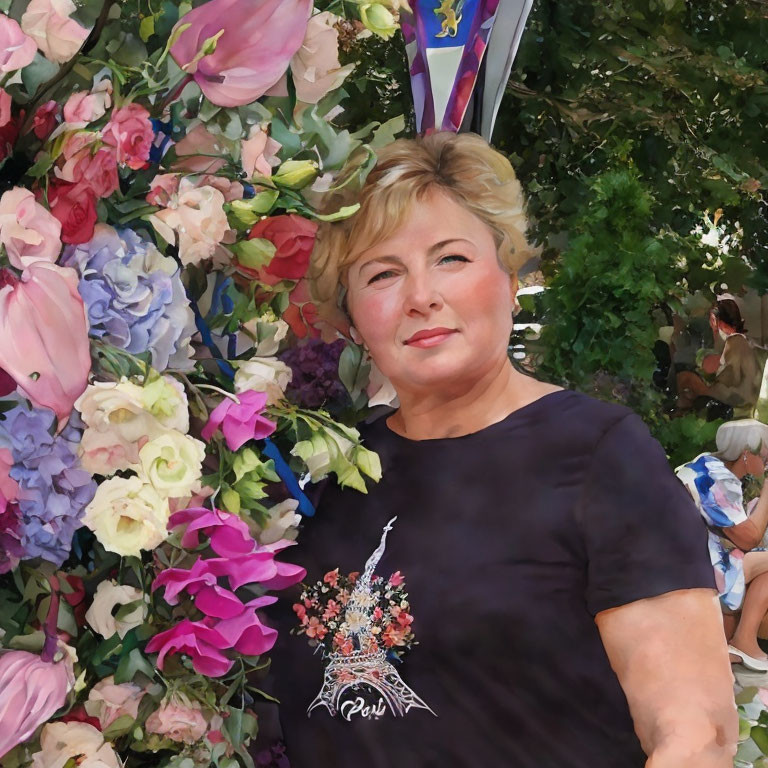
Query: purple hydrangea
[(315, 367), (134, 296), (53, 489)]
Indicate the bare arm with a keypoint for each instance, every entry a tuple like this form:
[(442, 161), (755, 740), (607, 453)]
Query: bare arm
[(749, 534), (671, 658)]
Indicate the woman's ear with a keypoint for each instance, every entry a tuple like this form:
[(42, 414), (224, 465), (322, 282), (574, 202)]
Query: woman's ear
[(356, 337), (513, 288)]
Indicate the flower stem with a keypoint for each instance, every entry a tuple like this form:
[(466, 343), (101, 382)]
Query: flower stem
[(51, 622)]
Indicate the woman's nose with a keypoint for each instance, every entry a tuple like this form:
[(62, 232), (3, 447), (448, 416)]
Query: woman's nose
[(420, 293)]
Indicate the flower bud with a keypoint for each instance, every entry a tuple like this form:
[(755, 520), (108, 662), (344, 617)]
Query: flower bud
[(295, 174), (379, 19)]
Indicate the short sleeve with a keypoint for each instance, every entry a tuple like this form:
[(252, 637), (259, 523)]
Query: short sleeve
[(642, 533), (722, 498)]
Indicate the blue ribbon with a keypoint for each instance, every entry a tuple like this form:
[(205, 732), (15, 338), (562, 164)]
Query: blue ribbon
[(284, 472)]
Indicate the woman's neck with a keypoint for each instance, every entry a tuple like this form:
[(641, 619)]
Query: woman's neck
[(426, 416)]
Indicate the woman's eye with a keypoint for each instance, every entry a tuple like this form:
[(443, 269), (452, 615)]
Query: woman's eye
[(381, 274), (454, 256)]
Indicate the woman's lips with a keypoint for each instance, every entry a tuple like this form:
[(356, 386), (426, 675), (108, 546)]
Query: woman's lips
[(431, 341)]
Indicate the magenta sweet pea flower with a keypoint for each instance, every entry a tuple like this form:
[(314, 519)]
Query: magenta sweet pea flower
[(228, 534), (240, 422), (254, 43), (202, 583), (245, 633), (203, 644)]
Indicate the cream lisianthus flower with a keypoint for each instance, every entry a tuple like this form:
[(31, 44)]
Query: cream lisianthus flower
[(264, 374), (268, 331), (127, 515), (121, 416), (172, 463), (108, 595), (108, 701), (80, 743), (282, 523)]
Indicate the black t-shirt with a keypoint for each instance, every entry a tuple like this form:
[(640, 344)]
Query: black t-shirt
[(510, 540)]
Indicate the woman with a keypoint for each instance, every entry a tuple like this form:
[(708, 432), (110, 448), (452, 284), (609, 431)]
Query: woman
[(740, 563), (737, 370), (559, 605)]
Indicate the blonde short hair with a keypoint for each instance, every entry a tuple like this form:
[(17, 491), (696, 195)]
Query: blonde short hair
[(734, 437), (463, 165)]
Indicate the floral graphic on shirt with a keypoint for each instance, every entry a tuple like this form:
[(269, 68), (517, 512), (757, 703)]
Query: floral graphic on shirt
[(362, 624)]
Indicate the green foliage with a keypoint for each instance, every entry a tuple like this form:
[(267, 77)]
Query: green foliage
[(598, 306)]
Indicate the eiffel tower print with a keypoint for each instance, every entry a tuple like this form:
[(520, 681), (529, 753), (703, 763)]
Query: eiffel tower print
[(367, 665)]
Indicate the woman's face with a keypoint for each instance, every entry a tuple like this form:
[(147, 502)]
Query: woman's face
[(438, 270), (755, 463)]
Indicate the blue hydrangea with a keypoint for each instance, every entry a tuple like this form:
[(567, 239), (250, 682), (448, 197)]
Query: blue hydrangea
[(53, 489), (134, 296)]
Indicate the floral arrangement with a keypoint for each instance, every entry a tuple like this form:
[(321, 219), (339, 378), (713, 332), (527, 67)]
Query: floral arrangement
[(167, 386), (325, 622)]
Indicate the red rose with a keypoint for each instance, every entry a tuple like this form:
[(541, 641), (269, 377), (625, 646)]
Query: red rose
[(7, 384), (294, 238), (79, 715), (8, 135), (45, 119), (74, 205)]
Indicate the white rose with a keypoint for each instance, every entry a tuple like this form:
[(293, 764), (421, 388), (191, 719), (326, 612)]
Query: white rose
[(263, 374), (127, 515), (172, 463), (108, 595)]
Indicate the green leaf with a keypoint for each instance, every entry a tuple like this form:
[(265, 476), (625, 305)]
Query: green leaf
[(254, 253), (147, 28), (131, 664)]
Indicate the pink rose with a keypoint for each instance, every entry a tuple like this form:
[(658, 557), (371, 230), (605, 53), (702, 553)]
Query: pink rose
[(240, 422), (74, 205), (16, 49), (257, 152), (5, 107), (108, 701), (162, 189), (178, 721), (86, 107), (315, 66), (97, 171), (45, 119), (195, 217), (130, 131), (47, 22), (294, 238), (27, 230)]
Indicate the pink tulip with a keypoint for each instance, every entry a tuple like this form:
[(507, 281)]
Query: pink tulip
[(31, 690), (239, 422), (44, 336), (16, 49), (228, 534), (257, 40)]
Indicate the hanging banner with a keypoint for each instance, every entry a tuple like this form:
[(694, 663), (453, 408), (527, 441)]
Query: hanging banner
[(446, 41)]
